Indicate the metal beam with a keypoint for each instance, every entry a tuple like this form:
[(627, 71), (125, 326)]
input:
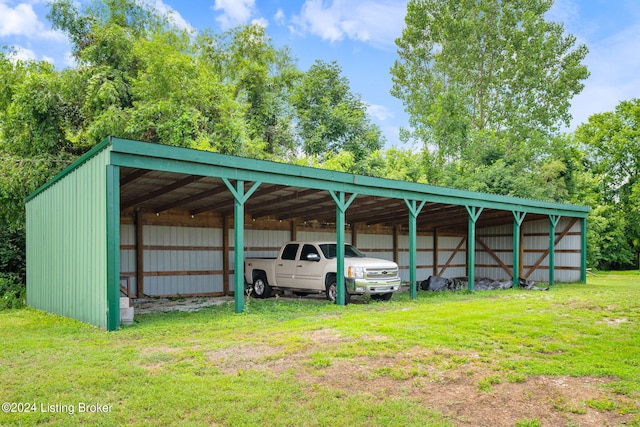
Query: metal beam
[(224, 206), (138, 154), (139, 254), (196, 197), (161, 191), (271, 207), (240, 197), (414, 210), (139, 173), (341, 208), (518, 218), (474, 213), (553, 223), (113, 247), (583, 250)]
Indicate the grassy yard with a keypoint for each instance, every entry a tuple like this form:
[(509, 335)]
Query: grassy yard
[(566, 357)]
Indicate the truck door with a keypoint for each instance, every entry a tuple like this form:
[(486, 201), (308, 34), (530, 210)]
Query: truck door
[(309, 272), (286, 266)]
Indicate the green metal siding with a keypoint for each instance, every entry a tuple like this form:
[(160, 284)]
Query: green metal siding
[(67, 243)]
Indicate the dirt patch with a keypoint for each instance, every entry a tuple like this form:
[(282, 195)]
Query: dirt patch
[(163, 305), (466, 388)]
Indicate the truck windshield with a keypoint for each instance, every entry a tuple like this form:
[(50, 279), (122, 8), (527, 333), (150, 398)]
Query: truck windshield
[(329, 251)]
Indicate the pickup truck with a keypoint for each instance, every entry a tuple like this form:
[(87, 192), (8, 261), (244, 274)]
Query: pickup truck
[(310, 267)]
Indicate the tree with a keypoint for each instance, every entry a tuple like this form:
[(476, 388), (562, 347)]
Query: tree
[(330, 117), (612, 140), (261, 77), (486, 72)]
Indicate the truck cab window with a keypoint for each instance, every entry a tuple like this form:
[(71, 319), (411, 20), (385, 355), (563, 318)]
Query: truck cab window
[(308, 249), (290, 251)]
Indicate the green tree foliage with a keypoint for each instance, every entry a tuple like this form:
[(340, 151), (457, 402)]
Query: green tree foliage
[(330, 117), (139, 76), (489, 77), (612, 140), (259, 76)]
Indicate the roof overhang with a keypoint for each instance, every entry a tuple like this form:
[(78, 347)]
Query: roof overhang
[(160, 178)]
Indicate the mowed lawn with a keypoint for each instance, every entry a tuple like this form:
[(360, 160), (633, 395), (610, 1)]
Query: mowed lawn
[(569, 356)]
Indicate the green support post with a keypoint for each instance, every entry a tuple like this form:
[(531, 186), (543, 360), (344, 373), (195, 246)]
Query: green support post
[(553, 222), (583, 251), (240, 197), (113, 247), (341, 209), (474, 213), (414, 211), (518, 218)]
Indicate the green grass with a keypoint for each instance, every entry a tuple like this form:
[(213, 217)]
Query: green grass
[(214, 367)]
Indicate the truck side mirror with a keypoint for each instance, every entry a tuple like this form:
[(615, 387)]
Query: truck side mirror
[(313, 257)]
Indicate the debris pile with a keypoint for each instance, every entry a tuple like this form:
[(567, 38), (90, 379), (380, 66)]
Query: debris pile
[(438, 283)]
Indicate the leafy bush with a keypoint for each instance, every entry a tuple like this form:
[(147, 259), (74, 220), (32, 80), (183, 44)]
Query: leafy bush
[(12, 292)]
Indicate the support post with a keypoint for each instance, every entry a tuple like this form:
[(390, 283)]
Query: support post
[(240, 197), (139, 255), (396, 249), (518, 218), (113, 247), (341, 209), (474, 213), (414, 211), (583, 251), (553, 222), (436, 250), (225, 254)]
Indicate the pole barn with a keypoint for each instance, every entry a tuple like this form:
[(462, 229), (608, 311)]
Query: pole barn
[(140, 219)]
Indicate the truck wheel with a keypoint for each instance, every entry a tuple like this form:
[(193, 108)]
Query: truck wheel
[(382, 297), (332, 292), (261, 288)]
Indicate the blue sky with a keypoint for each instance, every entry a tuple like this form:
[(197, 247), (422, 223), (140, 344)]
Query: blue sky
[(359, 35)]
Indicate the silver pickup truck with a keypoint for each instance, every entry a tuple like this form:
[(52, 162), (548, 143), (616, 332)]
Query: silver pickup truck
[(310, 267)]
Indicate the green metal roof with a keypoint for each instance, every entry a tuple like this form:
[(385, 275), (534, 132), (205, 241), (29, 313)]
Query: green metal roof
[(143, 155)]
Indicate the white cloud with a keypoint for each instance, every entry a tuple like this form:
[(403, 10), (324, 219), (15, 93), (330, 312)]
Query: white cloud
[(279, 17), (22, 20), (21, 54), (70, 60), (260, 21), (614, 63), (173, 15), (378, 22), (234, 12), (379, 112)]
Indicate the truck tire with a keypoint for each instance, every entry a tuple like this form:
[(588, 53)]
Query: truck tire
[(382, 297), (332, 291), (261, 288)]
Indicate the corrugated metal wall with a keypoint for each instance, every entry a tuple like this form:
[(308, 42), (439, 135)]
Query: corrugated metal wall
[(567, 250), (67, 242), (500, 241), (535, 248), (128, 256), (177, 260), (189, 260)]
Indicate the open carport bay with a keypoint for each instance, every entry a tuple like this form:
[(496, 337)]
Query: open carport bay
[(181, 221)]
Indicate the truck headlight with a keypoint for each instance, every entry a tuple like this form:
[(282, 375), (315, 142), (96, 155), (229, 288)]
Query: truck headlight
[(355, 272)]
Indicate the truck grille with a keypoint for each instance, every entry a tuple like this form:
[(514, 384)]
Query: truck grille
[(382, 273)]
